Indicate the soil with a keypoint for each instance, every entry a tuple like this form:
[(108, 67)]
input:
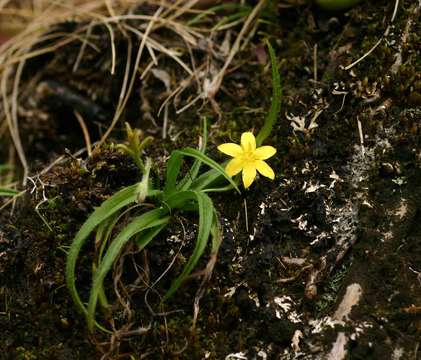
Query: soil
[(342, 214)]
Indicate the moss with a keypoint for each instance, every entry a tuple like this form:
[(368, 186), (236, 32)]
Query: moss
[(238, 312)]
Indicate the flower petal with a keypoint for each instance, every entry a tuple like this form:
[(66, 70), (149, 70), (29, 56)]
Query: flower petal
[(234, 167), (264, 169), (249, 174), (264, 152), (231, 149), (248, 141)]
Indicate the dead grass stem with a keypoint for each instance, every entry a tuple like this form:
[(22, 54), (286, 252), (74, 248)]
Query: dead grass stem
[(32, 41)]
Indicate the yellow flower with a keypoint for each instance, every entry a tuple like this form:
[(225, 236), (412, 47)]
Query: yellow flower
[(248, 159)]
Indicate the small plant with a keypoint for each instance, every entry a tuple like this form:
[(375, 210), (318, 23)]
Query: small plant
[(188, 193), (135, 146)]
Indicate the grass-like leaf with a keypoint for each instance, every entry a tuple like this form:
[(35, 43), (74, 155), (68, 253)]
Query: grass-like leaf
[(233, 17), (116, 202), (185, 183), (218, 8), (211, 163), (151, 219), (216, 232), (206, 179), (206, 216), (275, 105), (8, 192), (147, 236), (173, 169)]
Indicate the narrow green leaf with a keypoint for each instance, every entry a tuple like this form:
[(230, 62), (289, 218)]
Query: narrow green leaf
[(101, 237), (206, 179), (211, 163), (146, 237), (185, 183), (219, 189), (151, 219), (103, 301), (178, 200), (275, 106), (106, 228), (206, 216), (216, 233), (8, 192), (4, 167), (173, 169), (215, 9), (230, 18), (211, 178), (116, 202)]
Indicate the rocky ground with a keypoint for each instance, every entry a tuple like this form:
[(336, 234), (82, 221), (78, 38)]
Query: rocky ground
[(322, 263)]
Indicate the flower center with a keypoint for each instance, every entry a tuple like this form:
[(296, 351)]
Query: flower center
[(248, 156)]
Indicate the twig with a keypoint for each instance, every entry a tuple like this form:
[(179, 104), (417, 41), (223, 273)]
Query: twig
[(360, 132), (119, 111), (315, 63), (395, 11), (386, 33), (213, 88), (85, 133)]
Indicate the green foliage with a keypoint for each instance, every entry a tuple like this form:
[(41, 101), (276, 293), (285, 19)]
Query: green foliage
[(206, 212), (188, 193), (149, 220), (4, 189), (176, 195), (275, 106), (135, 145), (205, 181), (238, 10), (228, 12), (8, 192), (108, 208)]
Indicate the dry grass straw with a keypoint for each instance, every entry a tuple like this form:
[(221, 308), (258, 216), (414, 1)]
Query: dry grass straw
[(36, 17)]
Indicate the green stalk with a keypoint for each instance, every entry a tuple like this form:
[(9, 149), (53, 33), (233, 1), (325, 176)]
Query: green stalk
[(275, 105)]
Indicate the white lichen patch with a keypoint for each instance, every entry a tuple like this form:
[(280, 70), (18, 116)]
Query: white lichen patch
[(387, 236), (402, 209), (320, 237), (335, 177), (319, 325), (175, 239), (255, 298), (351, 298), (284, 302), (301, 222), (293, 261), (397, 353), (339, 351), (295, 341), (360, 329), (262, 354), (294, 317), (284, 309), (262, 207), (312, 187), (239, 355)]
